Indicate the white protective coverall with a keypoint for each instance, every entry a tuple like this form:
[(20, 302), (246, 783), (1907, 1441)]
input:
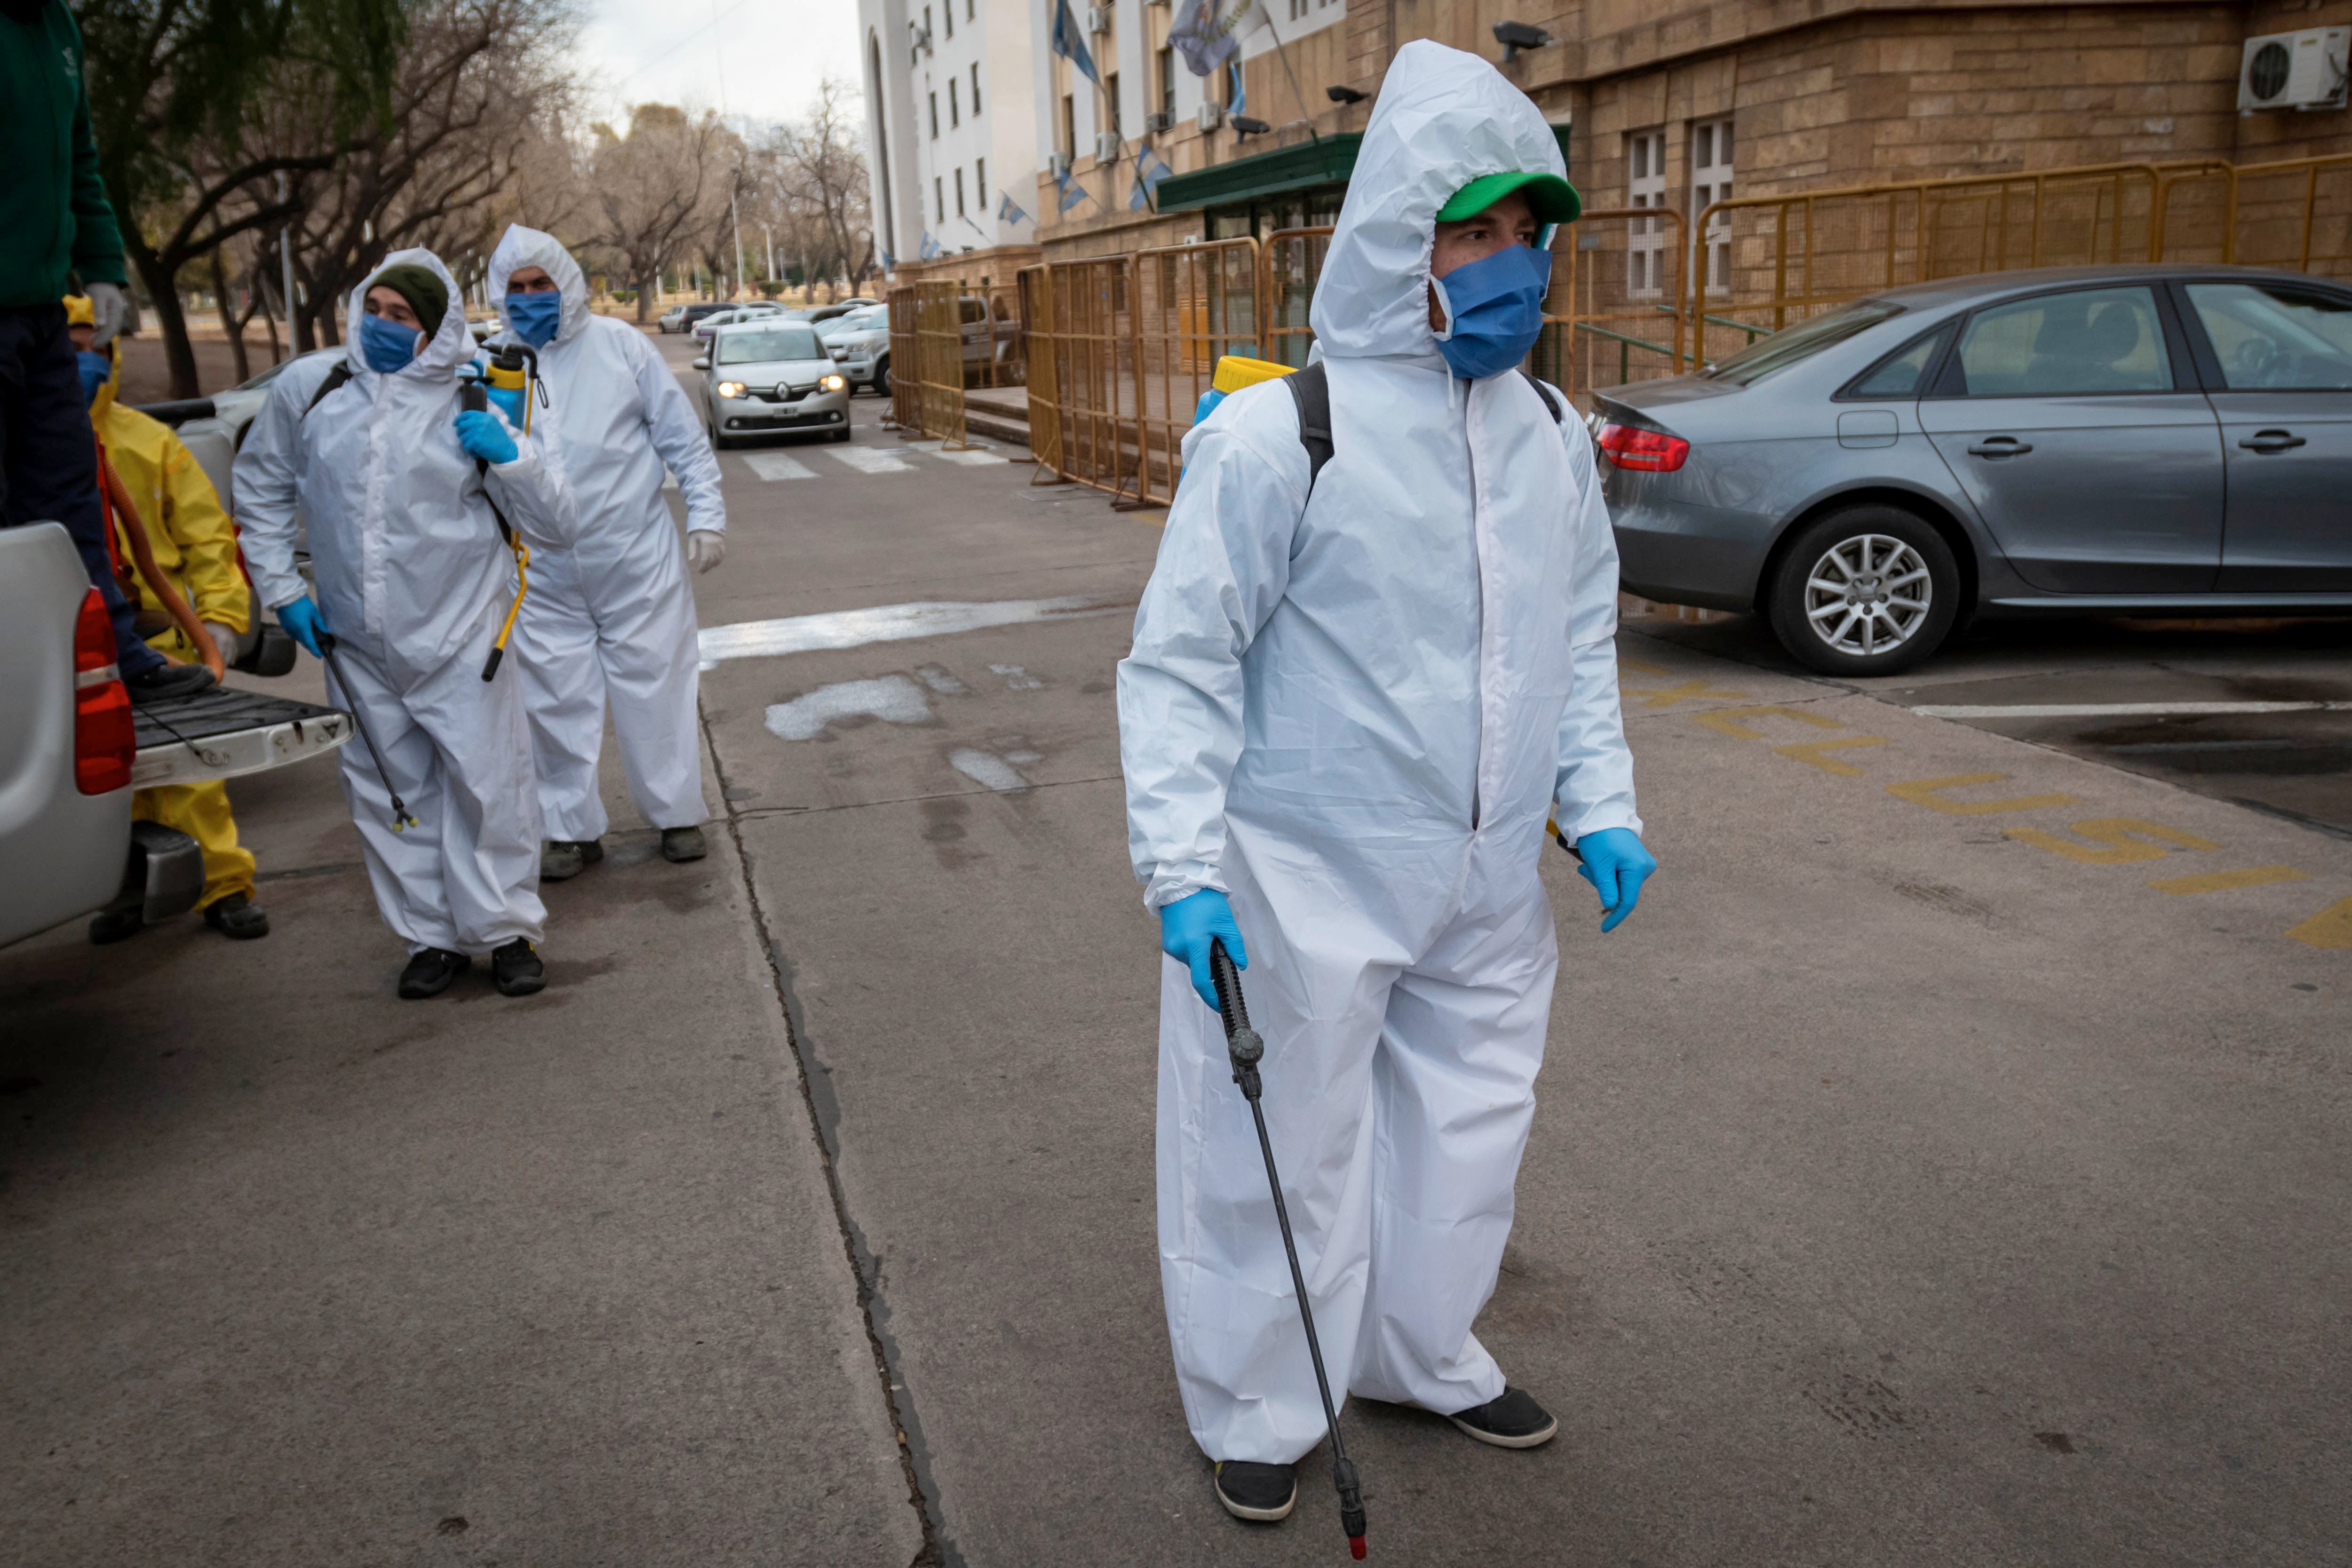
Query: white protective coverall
[(1352, 712), (415, 582), (612, 619)]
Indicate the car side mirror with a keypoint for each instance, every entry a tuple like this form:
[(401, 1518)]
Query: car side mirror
[(702, 363)]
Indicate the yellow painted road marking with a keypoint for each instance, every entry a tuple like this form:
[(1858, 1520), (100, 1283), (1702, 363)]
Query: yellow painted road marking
[(1809, 753), (1929, 794), (2223, 881), (1722, 721), (2331, 926), (1668, 696), (1644, 668), (2119, 833)]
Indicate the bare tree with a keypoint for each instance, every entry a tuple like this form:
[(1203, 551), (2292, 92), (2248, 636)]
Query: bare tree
[(656, 190), (821, 172)]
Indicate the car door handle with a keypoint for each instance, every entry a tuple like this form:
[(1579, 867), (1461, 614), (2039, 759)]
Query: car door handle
[(1999, 447), (2270, 441)]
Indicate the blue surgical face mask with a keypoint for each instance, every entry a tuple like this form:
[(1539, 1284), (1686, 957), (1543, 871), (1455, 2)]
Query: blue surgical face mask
[(534, 317), (1493, 310), (95, 368), (385, 344)]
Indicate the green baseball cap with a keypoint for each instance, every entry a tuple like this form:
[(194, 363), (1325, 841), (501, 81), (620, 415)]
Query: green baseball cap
[(1549, 197)]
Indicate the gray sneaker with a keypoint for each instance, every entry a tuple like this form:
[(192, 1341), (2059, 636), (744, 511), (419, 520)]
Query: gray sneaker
[(1512, 1421), (683, 844), (561, 859)]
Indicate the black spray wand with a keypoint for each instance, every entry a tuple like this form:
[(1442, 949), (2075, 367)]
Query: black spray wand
[(1245, 1048)]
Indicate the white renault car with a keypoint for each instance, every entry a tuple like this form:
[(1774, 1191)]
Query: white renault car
[(771, 377)]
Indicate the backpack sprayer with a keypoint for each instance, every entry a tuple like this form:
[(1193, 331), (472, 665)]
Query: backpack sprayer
[(513, 376)]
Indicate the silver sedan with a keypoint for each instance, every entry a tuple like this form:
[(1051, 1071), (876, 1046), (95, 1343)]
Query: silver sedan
[(2107, 440), (770, 376)]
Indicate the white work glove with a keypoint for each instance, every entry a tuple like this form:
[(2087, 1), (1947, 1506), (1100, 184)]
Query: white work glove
[(705, 548), (231, 644), (107, 307)]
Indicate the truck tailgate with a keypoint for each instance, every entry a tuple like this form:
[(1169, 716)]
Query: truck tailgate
[(223, 732)]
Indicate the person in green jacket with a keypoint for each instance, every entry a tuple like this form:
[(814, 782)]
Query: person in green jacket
[(53, 219)]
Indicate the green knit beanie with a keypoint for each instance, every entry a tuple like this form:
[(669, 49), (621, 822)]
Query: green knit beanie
[(415, 283)]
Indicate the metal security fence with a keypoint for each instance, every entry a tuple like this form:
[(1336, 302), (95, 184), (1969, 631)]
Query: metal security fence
[(2296, 213), (1081, 354), (1614, 312), (1034, 285), (1194, 305), (927, 359), (1288, 264)]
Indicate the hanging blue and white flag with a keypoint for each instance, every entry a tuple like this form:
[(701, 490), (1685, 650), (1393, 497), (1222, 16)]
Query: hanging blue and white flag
[(1207, 32), (1009, 210), (1238, 102), (1070, 43), (1073, 193), (1149, 172)]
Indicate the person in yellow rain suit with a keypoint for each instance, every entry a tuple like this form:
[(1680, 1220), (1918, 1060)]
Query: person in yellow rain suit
[(194, 545)]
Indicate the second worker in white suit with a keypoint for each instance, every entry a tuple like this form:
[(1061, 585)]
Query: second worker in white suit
[(611, 621)]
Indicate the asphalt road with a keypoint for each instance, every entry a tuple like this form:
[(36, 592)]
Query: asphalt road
[(1945, 1166)]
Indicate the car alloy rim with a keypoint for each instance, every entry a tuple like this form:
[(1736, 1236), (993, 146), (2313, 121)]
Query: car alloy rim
[(1868, 595)]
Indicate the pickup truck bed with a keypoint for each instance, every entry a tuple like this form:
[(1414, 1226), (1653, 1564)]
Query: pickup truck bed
[(223, 732)]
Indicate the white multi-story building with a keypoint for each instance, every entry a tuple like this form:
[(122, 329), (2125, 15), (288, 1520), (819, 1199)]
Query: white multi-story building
[(949, 129)]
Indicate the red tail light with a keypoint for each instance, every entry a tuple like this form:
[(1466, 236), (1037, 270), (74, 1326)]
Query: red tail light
[(105, 739), (1648, 451)]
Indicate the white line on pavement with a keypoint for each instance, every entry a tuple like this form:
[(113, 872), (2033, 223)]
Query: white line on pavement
[(976, 456), (885, 622), (870, 459), (2120, 709), (777, 466)]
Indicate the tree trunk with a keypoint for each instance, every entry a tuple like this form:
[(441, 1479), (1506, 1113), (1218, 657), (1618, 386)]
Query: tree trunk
[(178, 354), (646, 297), (230, 325)]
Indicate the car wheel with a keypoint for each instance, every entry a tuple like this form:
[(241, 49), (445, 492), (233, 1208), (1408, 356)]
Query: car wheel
[(1867, 591), (882, 376), (842, 434), (718, 443)]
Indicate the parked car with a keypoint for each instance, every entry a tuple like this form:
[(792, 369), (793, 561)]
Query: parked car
[(73, 748), (681, 318), (859, 343), (751, 312), (770, 376), (2101, 441)]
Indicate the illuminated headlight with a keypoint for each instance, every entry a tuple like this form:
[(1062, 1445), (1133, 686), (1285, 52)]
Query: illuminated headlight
[(832, 383), (730, 389)]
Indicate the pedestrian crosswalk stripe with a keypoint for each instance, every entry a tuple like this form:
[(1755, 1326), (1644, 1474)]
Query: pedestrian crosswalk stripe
[(869, 460), (777, 466), (975, 456)]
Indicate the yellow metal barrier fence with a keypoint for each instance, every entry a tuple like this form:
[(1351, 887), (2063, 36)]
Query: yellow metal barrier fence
[(1081, 347), (1193, 305), (1613, 315), (1036, 311)]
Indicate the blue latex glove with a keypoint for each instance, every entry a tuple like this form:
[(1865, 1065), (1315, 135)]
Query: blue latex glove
[(303, 621), (1186, 928), (1616, 864), (480, 432)]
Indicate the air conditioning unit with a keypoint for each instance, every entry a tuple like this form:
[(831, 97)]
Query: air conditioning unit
[(1212, 115), (1057, 166), (1160, 120), (1097, 18), (1107, 147), (2293, 70)]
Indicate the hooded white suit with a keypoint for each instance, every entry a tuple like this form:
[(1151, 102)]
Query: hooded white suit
[(414, 582), (612, 619), (1352, 712)]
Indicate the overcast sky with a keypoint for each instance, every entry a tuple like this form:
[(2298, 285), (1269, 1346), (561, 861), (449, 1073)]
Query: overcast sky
[(669, 51)]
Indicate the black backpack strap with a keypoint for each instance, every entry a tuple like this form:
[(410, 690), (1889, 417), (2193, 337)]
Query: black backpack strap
[(335, 378), (1551, 404), (1311, 390)]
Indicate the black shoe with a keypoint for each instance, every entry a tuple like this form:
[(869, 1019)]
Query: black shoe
[(236, 917), (1261, 1493), (115, 925), (516, 970), (1512, 1421), (168, 680), (561, 859), (683, 844), (429, 973)]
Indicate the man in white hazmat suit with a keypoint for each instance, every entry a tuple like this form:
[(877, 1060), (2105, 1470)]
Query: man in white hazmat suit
[(612, 619), (1354, 698), (414, 583)]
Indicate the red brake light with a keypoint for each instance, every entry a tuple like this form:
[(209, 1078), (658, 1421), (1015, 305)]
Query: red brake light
[(105, 738), (1648, 451)]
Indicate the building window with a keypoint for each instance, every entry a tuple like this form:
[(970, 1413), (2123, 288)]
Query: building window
[(955, 108), (1069, 127), (950, 9), (1164, 69), (979, 181), (939, 200), (1646, 186), (967, 9), (1110, 91), (959, 212), (935, 115), (975, 87), (1711, 182)]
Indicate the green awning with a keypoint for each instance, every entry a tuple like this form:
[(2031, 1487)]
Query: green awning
[(1326, 162)]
